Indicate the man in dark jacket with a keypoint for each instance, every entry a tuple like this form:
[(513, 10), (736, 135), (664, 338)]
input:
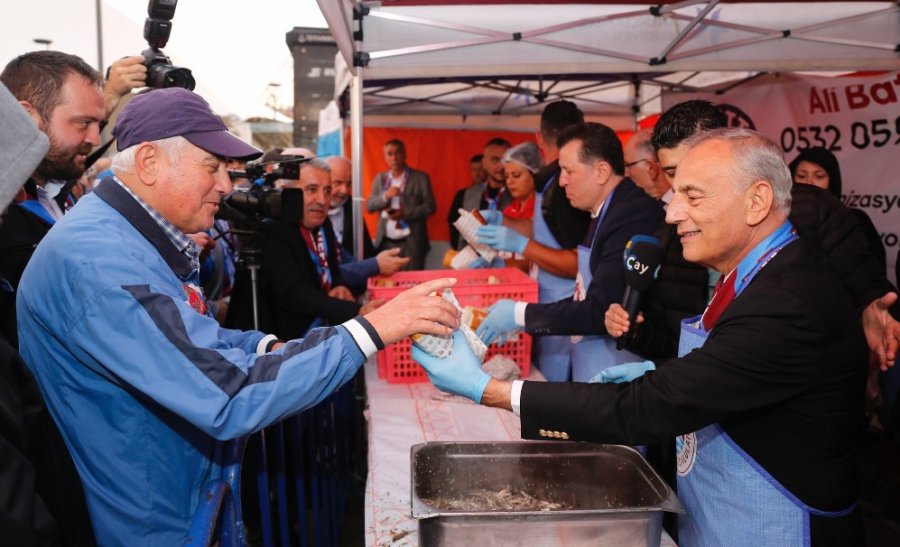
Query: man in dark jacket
[(590, 156), (818, 217), (302, 278)]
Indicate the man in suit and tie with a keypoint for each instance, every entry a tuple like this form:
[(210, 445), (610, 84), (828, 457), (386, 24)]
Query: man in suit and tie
[(403, 199), (592, 176), (302, 279)]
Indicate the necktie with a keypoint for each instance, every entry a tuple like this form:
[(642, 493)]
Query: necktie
[(722, 296), (592, 227)]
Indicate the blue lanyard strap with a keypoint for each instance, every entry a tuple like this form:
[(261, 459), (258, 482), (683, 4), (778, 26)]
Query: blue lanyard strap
[(764, 252)]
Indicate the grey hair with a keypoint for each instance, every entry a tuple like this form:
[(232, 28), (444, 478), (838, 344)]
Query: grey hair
[(526, 154), (172, 147), (314, 163), (317, 163), (642, 143), (756, 158)]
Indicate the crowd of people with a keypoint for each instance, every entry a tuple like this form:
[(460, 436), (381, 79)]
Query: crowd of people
[(128, 361)]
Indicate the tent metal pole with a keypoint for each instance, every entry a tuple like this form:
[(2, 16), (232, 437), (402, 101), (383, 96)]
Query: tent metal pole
[(356, 147), (686, 30)]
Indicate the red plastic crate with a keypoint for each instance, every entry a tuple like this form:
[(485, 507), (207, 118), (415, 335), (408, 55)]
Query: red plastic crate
[(395, 364)]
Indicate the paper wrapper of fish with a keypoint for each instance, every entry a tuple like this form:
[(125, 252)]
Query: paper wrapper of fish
[(464, 258), (441, 346), (468, 224)]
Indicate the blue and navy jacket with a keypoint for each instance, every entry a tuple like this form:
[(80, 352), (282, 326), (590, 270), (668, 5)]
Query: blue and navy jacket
[(143, 385)]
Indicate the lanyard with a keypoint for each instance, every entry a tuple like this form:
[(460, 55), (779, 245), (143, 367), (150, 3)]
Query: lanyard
[(493, 203), (763, 254), (386, 180), (318, 251), (732, 284)]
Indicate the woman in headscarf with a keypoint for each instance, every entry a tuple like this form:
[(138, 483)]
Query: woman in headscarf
[(819, 167)]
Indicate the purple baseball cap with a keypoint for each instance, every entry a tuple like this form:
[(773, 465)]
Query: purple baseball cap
[(173, 112)]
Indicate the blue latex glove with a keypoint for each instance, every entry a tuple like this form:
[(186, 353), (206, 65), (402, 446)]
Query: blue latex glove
[(501, 319), (494, 218), (480, 262), (502, 238), (625, 372), (460, 373)]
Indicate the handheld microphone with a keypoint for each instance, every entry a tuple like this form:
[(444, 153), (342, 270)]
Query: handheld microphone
[(642, 258)]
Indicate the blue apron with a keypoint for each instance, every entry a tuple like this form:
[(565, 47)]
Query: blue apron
[(593, 354), (553, 357), (730, 499)]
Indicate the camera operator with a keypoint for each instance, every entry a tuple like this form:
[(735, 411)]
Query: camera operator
[(149, 385), (301, 261), (124, 75)]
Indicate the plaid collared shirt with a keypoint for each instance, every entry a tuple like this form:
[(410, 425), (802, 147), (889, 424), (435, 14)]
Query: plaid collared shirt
[(182, 242)]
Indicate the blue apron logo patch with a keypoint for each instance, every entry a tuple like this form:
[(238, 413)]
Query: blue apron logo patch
[(686, 452)]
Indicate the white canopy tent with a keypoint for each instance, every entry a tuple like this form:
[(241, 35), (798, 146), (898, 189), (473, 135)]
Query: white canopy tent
[(504, 58)]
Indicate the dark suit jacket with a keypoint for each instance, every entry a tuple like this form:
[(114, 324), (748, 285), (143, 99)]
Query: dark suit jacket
[(20, 233), (783, 372), (291, 284), (631, 211), (418, 204), (831, 226), (348, 237)]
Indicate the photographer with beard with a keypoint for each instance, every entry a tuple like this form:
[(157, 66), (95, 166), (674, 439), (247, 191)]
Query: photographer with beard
[(63, 96), (68, 101)]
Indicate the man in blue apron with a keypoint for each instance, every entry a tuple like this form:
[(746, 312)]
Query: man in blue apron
[(590, 156), (766, 393), (557, 229), (817, 216)]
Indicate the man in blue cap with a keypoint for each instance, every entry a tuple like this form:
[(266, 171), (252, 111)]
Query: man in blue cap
[(142, 380)]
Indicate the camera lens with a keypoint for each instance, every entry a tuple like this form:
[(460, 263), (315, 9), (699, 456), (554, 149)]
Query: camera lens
[(178, 77)]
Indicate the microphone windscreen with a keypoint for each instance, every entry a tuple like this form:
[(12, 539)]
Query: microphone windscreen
[(643, 255)]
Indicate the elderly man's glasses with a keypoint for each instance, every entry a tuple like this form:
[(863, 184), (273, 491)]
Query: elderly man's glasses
[(631, 164)]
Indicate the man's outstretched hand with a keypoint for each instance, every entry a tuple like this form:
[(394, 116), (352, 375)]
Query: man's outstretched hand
[(416, 310), (882, 330)]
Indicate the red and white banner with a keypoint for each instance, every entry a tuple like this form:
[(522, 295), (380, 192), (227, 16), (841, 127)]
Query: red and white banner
[(857, 118)]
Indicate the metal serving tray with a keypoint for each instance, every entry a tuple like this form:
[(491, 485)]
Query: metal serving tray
[(615, 497)]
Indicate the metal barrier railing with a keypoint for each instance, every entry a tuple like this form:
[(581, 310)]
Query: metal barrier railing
[(303, 473)]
